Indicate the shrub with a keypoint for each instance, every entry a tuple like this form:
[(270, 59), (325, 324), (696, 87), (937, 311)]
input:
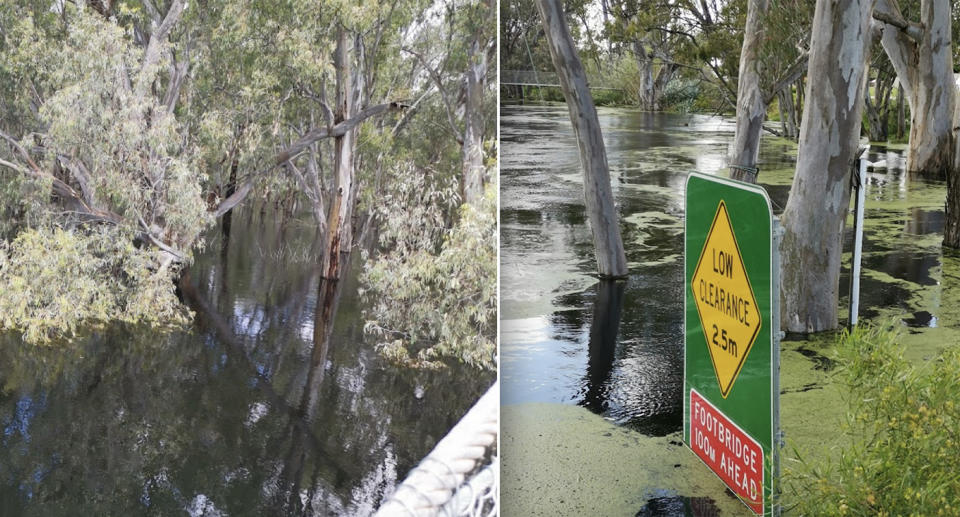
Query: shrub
[(432, 292), (904, 427)]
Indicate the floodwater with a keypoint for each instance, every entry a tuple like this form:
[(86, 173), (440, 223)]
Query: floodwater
[(615, 349), (271, 403)]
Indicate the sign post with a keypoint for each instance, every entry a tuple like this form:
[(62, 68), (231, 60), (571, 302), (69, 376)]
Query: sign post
[(731, 336)]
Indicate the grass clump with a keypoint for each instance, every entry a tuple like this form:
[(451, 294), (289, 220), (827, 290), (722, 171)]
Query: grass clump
[(903, 427)]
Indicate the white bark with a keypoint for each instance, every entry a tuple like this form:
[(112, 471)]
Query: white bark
[(646, 93), (751, 107), (472, 181), (922, 56), (820, 196), (601, 212)]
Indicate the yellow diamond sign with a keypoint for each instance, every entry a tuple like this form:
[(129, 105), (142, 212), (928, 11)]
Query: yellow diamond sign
[(725, 301)]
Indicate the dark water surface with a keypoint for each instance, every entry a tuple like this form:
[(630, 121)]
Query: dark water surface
[(248, 412), (562, 339)]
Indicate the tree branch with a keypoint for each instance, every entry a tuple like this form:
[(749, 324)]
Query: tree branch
[(177, 76), (794, 72), (315, 134), (82, 175), (152, 55), (888, 12), (435, 77)]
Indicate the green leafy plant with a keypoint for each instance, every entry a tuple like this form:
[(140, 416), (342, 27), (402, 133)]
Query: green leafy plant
[(432, 293), (904, 427), (57, 281)]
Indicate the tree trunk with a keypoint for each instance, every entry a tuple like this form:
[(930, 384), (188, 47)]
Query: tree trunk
[(751, 108), (901, 112), (876, 129), (789, 117), (472, 180), (923, 59), (951, 231), (645, 92), (340, 215), (783, 114), (820, 195), (664, 75), (801, 89), (601, 212)]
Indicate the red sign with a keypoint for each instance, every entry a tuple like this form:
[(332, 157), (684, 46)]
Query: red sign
[(727, 450)]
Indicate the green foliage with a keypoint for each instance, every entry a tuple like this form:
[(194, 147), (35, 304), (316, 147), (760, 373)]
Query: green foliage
[(88, 124), (55, 280), (91, 118), (432, 294), (904, 425)]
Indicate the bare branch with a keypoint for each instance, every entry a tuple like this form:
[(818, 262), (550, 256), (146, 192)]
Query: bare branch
[(81, 174), (152, 55), (888, 12), (794, 72), (437, 80), (315, 134), (177, 76)]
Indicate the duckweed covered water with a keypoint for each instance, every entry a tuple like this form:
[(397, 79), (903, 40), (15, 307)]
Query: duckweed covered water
[(560, 347)]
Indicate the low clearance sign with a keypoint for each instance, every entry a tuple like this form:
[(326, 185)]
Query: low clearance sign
[(730, 394)]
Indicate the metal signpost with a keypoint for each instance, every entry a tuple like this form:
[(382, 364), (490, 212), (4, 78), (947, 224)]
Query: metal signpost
[(859, 177), (731, 336)]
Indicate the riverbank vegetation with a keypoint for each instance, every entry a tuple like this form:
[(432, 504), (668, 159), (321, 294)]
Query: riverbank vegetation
[(130, 128), (896, 454)]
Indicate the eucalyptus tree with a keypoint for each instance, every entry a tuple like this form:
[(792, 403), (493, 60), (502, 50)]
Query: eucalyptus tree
[(102, 195), (129, 127), (430, 289), (768, 69), (464, 42), (829, 134), (521, 37), (601, 212), (879, 104), (643, 28), (922, 54)]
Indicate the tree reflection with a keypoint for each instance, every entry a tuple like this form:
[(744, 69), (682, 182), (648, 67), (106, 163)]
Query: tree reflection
[(603, 343), (273, 403)]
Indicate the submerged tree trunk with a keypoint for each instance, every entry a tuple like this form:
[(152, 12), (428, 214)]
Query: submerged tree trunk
[(601, 212), (820, 195), (751, 108), (951, 231), (646, 89), (340, 215), (922, 55)]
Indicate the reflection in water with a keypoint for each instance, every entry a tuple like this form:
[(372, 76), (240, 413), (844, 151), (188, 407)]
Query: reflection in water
[(272, 404), (679, 506), (603, 343), (549, 308)]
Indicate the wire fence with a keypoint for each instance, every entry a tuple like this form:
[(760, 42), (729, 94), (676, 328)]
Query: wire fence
[(538, 78)]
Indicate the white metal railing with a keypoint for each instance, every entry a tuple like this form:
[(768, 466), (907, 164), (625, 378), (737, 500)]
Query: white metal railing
[(459, 477)]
